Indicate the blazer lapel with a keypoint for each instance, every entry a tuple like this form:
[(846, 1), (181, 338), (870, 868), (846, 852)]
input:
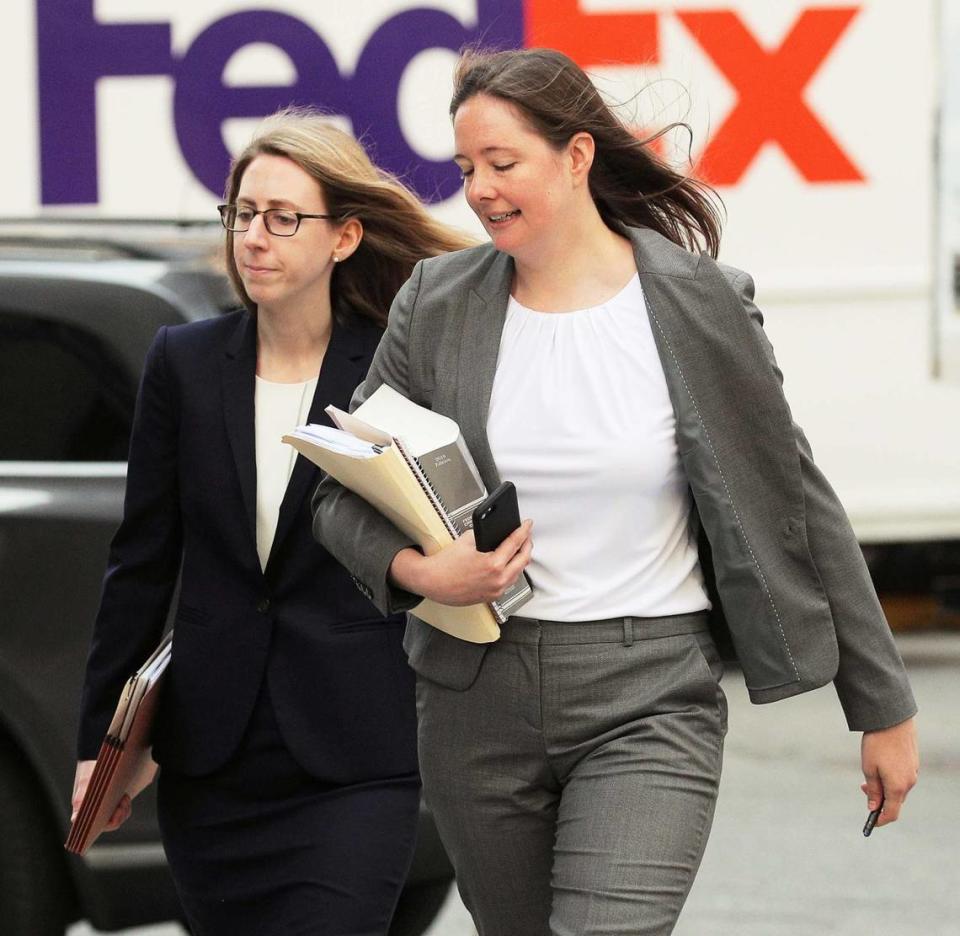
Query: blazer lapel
[(486, 313), (237, 381), (716, 369), (344, 366)]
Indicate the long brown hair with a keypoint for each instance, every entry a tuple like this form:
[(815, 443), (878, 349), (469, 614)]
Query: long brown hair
[(629, 182), (397, 230)]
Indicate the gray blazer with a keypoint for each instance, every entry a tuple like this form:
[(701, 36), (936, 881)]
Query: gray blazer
[(789, 575)]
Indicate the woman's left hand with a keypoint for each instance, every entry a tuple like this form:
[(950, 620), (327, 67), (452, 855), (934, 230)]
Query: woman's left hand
[(891, 762)]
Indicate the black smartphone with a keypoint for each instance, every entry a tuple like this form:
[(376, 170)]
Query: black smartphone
[(496, 517)]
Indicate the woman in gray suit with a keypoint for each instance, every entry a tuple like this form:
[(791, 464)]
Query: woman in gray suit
[(622, 380)]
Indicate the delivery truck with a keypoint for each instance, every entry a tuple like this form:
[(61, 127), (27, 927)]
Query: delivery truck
[(831, 132)]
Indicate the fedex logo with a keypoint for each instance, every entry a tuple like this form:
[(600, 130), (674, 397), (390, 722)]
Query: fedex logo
[(75, 49), (769, 82)]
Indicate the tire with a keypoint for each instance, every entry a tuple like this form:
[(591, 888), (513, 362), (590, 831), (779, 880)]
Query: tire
[(418, 907), (35, 890)]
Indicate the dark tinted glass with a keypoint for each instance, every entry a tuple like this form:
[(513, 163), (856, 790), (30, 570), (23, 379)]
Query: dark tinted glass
[(63, 396)]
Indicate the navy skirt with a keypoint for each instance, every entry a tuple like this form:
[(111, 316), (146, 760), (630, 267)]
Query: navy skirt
[(261, 847)]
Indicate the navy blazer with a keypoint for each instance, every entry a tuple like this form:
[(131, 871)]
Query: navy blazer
[(342, 692)]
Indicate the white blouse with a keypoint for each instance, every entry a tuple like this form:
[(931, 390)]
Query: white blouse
[(278, 408), (581, 421)]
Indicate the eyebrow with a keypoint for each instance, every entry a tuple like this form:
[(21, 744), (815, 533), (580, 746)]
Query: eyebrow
[(271, 203), (486, 150)]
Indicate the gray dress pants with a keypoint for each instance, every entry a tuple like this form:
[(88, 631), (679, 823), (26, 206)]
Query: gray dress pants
[(574, 782)]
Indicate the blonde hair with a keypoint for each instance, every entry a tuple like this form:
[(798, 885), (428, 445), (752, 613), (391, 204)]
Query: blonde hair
[(397, 229)]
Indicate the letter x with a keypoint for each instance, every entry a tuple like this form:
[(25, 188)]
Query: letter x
[(770, 85)]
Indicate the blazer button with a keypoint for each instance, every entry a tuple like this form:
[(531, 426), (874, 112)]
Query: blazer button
[(264, 606)]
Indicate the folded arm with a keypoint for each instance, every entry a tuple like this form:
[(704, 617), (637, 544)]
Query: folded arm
[(354, 533)]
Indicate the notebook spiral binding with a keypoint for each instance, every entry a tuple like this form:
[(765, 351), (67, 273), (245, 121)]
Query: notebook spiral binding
[(427, 486), (498, 613)]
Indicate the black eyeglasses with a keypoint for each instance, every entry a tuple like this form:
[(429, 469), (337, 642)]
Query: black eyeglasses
[(281, 222)]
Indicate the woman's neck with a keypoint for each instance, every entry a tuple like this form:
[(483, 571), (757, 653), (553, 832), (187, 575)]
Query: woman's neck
[(291, 343), (582, 267)]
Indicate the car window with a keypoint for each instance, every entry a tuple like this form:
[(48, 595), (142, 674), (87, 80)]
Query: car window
[(63, 394)]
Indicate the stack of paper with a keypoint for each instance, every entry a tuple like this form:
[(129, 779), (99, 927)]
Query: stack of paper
[(413, 466)]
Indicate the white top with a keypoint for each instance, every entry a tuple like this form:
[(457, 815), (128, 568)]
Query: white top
[(580, 420), (279, 408)]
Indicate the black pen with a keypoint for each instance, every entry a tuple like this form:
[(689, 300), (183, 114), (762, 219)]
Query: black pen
[(872, 819)]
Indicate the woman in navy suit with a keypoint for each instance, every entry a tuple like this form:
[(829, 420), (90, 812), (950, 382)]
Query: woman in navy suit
[(289, 790)]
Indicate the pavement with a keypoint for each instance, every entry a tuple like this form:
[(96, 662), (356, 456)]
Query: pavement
[(787, 856)]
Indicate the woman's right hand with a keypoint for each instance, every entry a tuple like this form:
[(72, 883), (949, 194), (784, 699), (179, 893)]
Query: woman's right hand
[(459, 575), (81, 781)]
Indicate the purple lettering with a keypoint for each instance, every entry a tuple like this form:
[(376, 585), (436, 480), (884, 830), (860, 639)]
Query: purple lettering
[(73, 51), (381, 66), (377, 80), (202, 103)]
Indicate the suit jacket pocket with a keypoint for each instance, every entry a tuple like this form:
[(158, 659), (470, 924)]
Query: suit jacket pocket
[(367, 624), (193, 615), (441, 658)]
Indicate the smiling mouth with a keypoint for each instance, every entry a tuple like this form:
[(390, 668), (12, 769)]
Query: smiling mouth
[(497, 218)]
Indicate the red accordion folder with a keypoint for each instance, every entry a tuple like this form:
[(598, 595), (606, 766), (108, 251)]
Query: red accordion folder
[(124, 764)]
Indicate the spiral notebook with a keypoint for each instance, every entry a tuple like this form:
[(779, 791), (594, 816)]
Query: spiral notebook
[(124, 764), (414, 467)]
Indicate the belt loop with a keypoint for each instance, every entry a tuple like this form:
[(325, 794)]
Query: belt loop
[(628, 631)]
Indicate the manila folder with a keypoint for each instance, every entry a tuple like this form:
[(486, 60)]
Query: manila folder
[(388, 483)]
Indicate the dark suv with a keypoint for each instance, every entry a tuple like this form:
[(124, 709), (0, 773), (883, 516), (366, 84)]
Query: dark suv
[(79, 304)]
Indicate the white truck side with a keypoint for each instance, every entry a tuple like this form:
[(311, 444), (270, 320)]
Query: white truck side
[(824, 126)]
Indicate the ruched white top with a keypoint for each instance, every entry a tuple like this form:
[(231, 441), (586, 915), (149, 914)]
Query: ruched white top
[(581, 421)]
